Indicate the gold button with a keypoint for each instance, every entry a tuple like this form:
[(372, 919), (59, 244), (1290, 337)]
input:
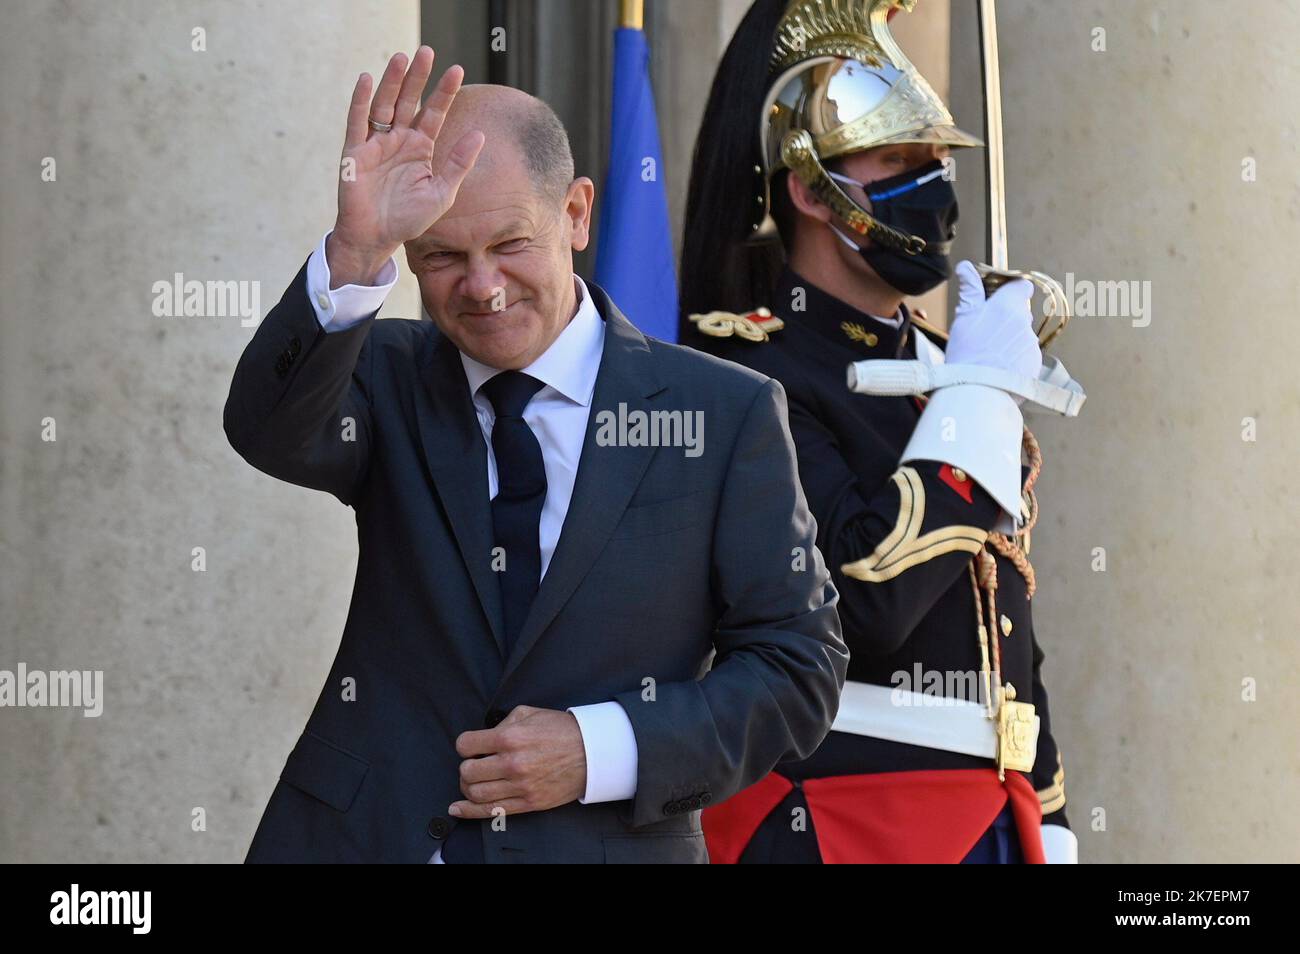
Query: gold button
[(872, 339), (1006, 624), (960, 476)]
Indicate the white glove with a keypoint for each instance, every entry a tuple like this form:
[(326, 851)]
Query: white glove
[(1060, 845), (997, 332)]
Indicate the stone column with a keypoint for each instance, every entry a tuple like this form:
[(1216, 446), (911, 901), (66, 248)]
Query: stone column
[(1151, 160), (138, 149)]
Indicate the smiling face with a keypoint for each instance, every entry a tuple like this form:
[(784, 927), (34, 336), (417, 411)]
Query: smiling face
[(496, 272)]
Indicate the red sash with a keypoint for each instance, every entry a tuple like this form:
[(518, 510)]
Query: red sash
[(926, 817)]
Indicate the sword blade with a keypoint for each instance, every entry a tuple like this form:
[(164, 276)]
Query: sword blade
[(997, 199)]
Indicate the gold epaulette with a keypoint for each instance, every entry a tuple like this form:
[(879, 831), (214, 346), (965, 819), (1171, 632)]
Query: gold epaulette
[(917, 317), (754, 326)]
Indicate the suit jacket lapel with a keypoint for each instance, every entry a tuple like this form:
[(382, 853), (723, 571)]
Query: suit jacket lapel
[(456, 455), (607, 476)]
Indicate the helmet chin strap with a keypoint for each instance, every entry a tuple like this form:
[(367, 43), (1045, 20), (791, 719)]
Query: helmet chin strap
[(942, 247), (798, 154)]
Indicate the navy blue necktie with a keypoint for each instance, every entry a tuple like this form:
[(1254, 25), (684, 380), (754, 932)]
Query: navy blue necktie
[(516, 516), (521, 491)]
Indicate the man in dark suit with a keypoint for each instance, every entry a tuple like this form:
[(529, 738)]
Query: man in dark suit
[(575, 621)]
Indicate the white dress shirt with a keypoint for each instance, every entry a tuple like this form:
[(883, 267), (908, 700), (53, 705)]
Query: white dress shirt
[(558, 416), (895, 322)]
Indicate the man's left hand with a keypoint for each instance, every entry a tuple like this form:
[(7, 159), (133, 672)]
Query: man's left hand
[(531, 761)]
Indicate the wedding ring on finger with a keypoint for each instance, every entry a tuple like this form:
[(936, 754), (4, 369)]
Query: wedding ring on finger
[(379, 127)]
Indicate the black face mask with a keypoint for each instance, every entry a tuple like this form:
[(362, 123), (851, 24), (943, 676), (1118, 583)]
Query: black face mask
[(919, 202)]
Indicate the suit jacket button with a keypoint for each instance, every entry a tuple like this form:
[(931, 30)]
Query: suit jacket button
[(673, 808), (706, 797), (693, 803), (494, 718), (281, 365), (439, 828), (295, 346)]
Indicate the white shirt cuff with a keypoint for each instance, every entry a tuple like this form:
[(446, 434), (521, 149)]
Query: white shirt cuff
[(340, 308), (1060, 845), (610, 747), (979, 430)]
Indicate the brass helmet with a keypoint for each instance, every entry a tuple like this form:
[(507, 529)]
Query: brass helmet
[(840, 84)]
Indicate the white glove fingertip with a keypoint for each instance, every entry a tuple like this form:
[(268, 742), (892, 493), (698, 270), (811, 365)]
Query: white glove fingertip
[(970, 290)]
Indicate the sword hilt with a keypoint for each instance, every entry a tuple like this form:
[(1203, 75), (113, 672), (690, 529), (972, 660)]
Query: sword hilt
[(1056, 307)]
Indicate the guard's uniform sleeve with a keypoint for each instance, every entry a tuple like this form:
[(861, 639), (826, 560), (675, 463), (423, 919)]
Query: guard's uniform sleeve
[(1048, 774), (895, 549)]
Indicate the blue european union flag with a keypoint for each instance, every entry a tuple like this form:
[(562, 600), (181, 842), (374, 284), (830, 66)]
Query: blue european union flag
[(634, 252)]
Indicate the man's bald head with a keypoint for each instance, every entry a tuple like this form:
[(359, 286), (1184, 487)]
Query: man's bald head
[(517, 127)]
